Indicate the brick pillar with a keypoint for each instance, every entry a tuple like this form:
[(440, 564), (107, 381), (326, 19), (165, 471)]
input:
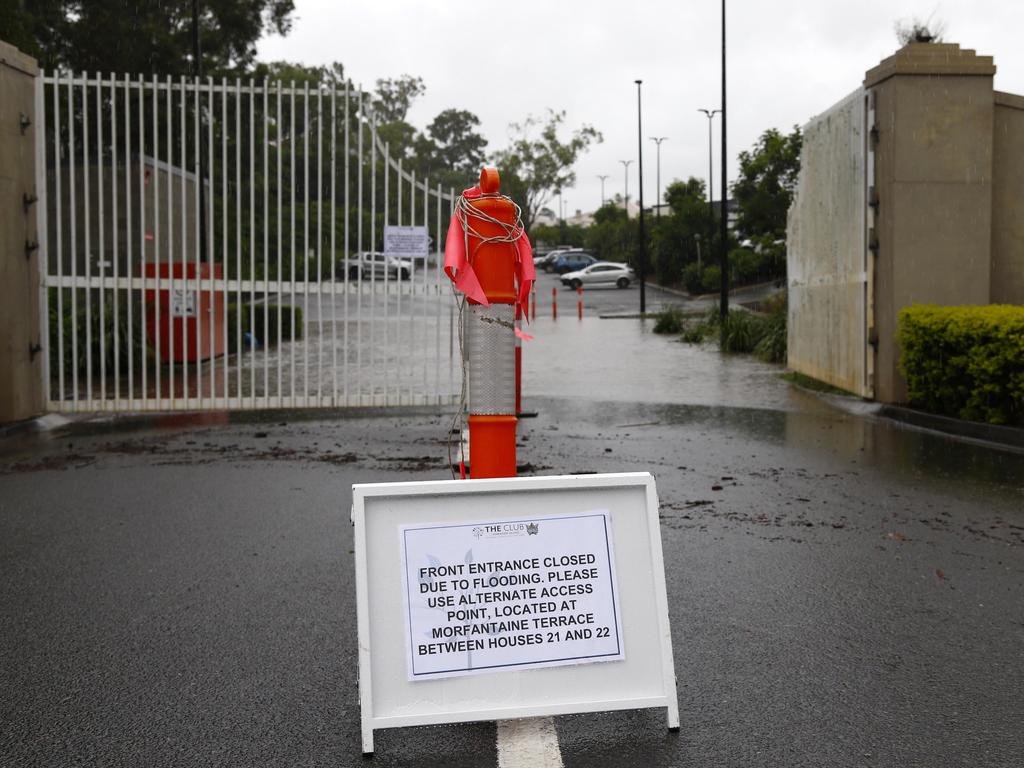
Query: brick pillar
[(21, 365), (933, 180)]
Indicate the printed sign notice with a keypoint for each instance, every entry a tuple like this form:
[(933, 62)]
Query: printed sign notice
[(411, 242), (510, 595)]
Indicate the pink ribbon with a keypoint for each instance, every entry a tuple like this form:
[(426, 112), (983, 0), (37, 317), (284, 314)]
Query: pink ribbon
[(460, 271)]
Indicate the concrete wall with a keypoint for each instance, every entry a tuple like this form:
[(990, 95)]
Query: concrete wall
[(21, 373), (827, 251), (942, 178), (1008, 200)]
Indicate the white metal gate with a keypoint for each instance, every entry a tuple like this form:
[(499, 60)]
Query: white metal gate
[(199, 241)]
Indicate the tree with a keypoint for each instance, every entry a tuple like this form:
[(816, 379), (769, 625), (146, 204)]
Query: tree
[(141, 36), (535, 165), (917, 31), (674, 240), (764, 189), (451, 150)]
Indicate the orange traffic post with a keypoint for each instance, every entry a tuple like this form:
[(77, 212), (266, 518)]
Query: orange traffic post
[(554, 303), (491, 334), (579, 301)]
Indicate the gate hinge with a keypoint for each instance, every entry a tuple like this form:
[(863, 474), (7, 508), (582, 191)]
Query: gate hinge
[(28, 200), (24, 121), (33, 350), (31, 246)]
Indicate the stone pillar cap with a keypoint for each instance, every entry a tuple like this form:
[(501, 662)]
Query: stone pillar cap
[(931, 59)]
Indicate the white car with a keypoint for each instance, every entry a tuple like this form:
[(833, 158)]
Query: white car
[(368, 264), (601, 273)]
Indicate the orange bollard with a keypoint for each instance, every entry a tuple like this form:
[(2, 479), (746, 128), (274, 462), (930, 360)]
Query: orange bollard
[(579, 302), (554, 303), (491, 339)]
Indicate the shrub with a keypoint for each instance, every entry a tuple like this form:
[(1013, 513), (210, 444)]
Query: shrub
[(254, 320), (741, 331), (692, 279), (669, 321), (965, 361), (772, 346), (711, 280)]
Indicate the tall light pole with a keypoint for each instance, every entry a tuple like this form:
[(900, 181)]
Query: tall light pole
[(561, 216), (602, 177), (711, 180), (625, 166), (657, 140), (724, 222), (640, 169)]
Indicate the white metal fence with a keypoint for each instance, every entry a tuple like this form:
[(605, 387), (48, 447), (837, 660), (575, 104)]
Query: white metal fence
[(199, 241)]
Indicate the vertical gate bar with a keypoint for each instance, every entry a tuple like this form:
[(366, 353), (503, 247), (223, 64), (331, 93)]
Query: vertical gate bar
[(200, 237), (156, 236), (87, 235), (183, 274), (402, 355), (129, 256), (42, 233), (252, 242), (280, 281), (348, 128), (144, 394), (305, 241), (291, 236), (398, 290), (426, 293), (412, 300), (266, 242), (319, 245), (169, 120), (102, 242), (224, 174), (334, 254), (115, 238), (359, 251), (59, 197), (210, 260), (437, 297), (239, 350), (73, 209), (373, 248)]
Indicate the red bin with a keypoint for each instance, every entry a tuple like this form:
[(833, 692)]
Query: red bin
[(185, 306)]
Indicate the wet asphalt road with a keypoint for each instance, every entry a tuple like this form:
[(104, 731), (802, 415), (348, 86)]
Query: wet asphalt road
[(842, 591)]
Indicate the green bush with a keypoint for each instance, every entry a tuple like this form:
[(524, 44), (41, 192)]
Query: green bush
[(772, 345), (254, 320), (711, 280), (97, 333), (965, 361), (692, 279), (669, 321), (741, 331)]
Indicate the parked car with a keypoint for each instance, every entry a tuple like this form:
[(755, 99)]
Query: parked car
[(601, 273), (369, 264), (544, 262), (572, 261)]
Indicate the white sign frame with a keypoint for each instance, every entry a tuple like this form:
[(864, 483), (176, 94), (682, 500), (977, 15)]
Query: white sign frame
[(645, 678)]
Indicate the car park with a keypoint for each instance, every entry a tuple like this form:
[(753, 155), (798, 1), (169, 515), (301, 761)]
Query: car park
[(370, 264), (600, 273)]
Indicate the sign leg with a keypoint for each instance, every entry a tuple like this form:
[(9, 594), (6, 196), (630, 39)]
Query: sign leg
[(368, 741), (672, 715)]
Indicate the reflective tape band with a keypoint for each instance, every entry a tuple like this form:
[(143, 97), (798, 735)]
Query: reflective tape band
[(490, 337)]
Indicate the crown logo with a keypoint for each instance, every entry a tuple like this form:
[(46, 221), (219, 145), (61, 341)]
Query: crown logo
[(532, 528)]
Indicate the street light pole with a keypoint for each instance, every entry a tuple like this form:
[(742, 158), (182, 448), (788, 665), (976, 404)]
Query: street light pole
[(657, 140), (711, 179), (561, 215), (625, 166), (640, 169), (724, 222), (602, 178)]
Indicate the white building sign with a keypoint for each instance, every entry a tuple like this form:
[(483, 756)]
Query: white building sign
[(510, 594), (406, 241), (183, 303)]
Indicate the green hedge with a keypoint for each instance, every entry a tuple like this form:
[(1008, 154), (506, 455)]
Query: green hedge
[(965, 361), (258, 311)]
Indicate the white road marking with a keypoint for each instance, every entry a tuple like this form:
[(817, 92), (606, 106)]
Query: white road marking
[(528, 743)]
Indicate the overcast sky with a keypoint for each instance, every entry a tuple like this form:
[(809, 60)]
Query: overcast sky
[(788, 60)]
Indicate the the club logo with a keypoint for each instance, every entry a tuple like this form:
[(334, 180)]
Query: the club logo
[(532, 528)]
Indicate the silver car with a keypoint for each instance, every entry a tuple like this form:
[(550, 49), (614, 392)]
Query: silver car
[(370, 264), (601, 273)]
